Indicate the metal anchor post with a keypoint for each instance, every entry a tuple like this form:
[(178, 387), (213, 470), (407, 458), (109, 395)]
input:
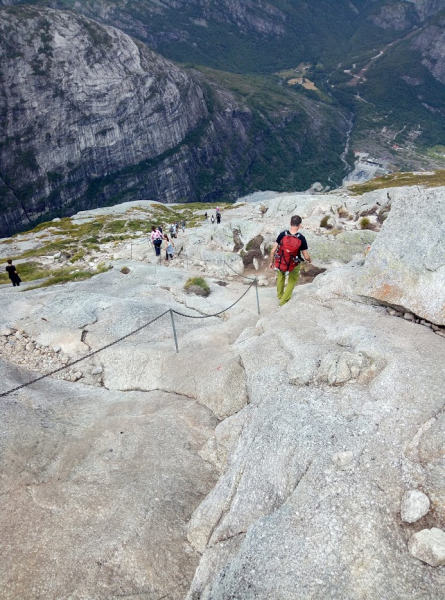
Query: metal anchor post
[(257, 296), (174, 331)]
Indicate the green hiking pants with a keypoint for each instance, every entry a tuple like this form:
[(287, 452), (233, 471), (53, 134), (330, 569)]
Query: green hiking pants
[(284, 295)]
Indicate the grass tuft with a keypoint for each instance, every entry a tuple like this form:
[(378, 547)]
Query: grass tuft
[(194, 284), (325, 222), (365, 223)]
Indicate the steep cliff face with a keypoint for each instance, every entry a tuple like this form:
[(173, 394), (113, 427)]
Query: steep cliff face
[(229, 34), (431, 43), (406, 14), (79, 101), (90, 117), (256, 35)]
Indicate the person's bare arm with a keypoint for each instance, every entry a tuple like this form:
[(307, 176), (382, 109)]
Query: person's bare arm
[(306, 256), (272, 254)]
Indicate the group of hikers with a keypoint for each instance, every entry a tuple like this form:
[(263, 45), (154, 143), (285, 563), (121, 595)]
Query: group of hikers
[(212, 218), (160, 240), (289, 251)]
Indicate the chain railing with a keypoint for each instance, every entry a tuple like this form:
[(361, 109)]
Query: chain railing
[(117, 341)]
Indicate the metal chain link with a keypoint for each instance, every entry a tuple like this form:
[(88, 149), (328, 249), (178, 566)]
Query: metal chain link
[(215, 314)]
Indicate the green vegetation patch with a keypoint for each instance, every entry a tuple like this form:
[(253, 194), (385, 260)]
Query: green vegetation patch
[(325, 222), (28, 271), (197, 285), (428, 179), (66, 275)]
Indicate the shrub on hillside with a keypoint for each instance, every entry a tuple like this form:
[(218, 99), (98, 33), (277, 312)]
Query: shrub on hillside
[(325, 222), (365, 223), (198, 286)]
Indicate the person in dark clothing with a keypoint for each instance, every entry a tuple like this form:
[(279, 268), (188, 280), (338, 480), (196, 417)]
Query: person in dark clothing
[(12, 272), (218, 218)]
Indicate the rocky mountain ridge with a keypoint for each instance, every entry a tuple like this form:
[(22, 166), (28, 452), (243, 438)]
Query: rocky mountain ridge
[(91, 116)]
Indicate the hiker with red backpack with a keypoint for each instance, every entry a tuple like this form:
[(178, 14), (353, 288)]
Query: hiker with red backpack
[(285, 257)]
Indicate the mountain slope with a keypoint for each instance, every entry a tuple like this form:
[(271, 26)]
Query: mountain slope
[(253, 35), (231, 34), (91, 117)]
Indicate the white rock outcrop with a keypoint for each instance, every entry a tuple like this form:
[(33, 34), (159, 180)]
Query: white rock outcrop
[(406, 264)]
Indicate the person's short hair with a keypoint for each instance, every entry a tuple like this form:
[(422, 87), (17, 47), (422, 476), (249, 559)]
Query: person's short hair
[(9, 261), (295, 221), (153, 228)]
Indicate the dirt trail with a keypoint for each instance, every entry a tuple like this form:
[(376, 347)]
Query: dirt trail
[(361, 74)]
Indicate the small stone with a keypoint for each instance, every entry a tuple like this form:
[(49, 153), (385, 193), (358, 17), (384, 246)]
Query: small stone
[(391, 312), (18, 335), (97, 370), (415, 505), (56, 349), (435, 327), (78, 375), (56, 220), (6, 331), (425, 323), (30, 346), (409, 317), (440, 332), (57, 255), (255, 263), (428, 546), (342, 459)]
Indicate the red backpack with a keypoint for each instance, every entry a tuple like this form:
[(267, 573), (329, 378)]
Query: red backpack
[(286, 257)]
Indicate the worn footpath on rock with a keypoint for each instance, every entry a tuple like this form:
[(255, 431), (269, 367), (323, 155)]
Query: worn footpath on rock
[(300, 449)]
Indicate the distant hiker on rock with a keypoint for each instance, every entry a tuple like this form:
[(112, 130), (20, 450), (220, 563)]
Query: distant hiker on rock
[(285, 257), (218, 218), (156, 240), (12, 273), (169, 249), (205, 217), (212, 220), (183, 226)]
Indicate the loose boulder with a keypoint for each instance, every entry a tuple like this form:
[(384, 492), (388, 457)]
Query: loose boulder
[(428, 546), (415, 505)]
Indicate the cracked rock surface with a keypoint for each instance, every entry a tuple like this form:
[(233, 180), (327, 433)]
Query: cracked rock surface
[(284, 509), (97, 488), (271, 454)]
